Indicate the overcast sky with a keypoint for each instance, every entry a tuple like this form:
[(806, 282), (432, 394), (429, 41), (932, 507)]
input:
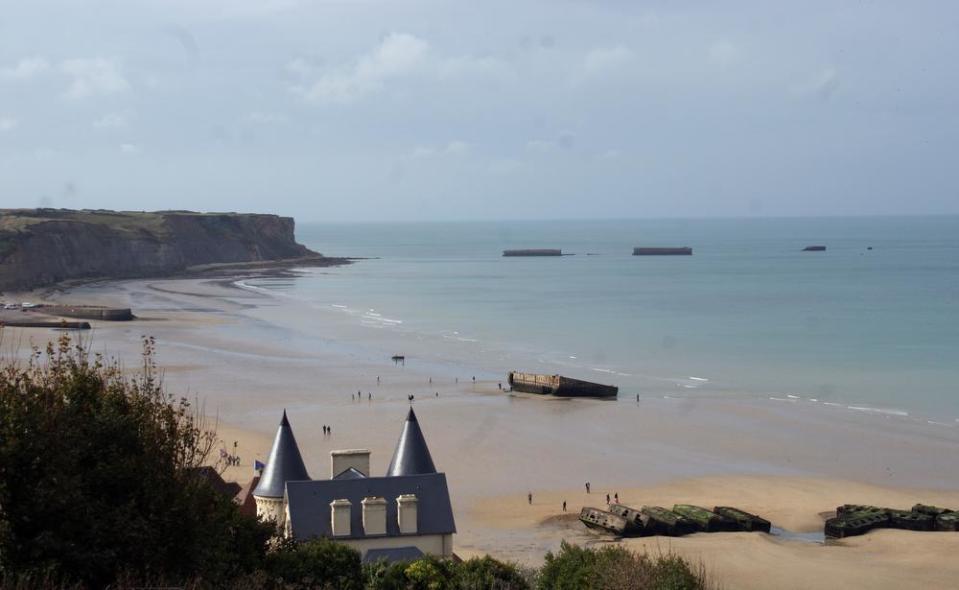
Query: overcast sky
[(366, 110)]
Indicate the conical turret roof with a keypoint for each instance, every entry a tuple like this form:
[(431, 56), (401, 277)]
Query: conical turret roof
[(285, 463), (412, 456)]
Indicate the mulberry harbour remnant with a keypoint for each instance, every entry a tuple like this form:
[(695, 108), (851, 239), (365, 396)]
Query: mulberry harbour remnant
[(533, 252), (558, 385), (658, 251), (684, 519)]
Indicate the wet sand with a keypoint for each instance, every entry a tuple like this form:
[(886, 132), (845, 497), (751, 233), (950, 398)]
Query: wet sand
[(787, 460)]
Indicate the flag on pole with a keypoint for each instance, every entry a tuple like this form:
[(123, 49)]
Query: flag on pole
[(258, 466)]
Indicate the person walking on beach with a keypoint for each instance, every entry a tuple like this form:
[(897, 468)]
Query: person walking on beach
[(377, 379), (370, 396), (616, 497), (587, 487), (607, 498), (530, 498), (564, 505)]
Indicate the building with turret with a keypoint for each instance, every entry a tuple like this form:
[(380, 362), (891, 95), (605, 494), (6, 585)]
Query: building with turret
[(401, 515)]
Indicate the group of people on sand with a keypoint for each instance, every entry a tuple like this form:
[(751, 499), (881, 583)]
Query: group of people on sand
[(327, 430), (615, 498), (231, 460)]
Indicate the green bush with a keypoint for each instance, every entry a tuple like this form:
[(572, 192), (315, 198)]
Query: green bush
[(486, 573), (430, 573), (319, 563), (98, 480), (616, 568)]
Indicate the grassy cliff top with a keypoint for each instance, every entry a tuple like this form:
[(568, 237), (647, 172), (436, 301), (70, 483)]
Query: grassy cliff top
[(150, 221)]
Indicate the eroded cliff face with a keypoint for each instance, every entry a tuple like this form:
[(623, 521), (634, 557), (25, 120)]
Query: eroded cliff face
[(43, 247)]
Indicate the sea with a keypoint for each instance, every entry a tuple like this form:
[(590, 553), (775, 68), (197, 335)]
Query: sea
[(871, 324)]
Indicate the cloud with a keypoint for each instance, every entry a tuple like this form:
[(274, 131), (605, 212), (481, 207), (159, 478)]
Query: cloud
[(540, 145), (610, 154), (823, 84), (112, 121), (93, 77), (129, 149), (453, 148), (398, 54), (262, 118), (27, 67), (724, 54), (504, 166), (468, 66), (186, 40), (564, 140), (607, 59), (7, 123)]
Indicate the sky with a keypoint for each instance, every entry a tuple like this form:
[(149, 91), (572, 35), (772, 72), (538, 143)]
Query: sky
[(447, 110)]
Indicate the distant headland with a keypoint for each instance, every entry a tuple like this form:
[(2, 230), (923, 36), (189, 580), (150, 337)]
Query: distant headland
[(46, 247)]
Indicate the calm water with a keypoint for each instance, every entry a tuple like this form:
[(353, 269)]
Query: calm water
[(748, 315)]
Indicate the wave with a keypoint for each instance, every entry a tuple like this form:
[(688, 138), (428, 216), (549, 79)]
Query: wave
[(885, 411)]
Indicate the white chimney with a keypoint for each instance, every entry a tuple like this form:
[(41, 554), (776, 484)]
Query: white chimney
[(340, 514), (358, 459), (406, 513), (374, 516)]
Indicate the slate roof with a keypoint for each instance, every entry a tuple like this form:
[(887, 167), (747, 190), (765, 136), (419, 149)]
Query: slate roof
[(412, 456), (285, 463), (308, 503), (395, 554), (350, 473)]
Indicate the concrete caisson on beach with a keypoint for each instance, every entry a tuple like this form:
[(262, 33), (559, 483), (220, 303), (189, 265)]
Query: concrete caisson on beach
[(534, 252), (558, 385), (662, 251)]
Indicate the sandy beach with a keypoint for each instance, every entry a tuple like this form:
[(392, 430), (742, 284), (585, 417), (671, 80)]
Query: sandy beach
[(788, 460)]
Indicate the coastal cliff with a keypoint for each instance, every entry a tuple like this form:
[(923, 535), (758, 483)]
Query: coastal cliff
[(42, 247)]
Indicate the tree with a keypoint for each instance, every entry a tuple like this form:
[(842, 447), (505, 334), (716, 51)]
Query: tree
[(616, 568), (318, 563), (98, 477), (486, 573)]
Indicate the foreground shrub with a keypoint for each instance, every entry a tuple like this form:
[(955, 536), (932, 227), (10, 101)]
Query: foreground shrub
[(315, 564), (486, 573), (616, 568), (430, 573), (97, 477)]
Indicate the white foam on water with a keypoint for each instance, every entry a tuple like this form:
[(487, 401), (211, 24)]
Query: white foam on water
[(699, 379), (946, 424), (691, 386), (791, 396), (812, 399), (609, 371), (887, 412)]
